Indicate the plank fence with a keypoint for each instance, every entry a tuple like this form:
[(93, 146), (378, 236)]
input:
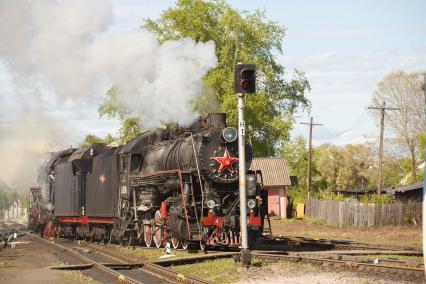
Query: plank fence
[(359, 214)]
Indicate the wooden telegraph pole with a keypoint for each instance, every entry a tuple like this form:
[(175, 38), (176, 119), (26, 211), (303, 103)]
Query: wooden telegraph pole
[(382, 109), (311, 124)]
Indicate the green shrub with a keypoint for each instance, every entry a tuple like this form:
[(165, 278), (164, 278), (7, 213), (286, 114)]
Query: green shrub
[(375, 199)]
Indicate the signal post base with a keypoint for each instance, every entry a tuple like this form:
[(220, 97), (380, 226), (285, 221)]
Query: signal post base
[(245, 257)]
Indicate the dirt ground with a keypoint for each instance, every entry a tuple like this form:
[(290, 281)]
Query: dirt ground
[(222, 271), (307, 274), (386, 235), (27, 262)]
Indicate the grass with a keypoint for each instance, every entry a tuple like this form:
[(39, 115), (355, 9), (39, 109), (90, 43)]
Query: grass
[(7, 263), (55, 263), (78, 276), (304, 220), (406, 235), (395, 257), (299, 266), (217, 271)]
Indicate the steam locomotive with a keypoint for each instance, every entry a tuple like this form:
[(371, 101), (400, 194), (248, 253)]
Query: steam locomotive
[(163, 186)]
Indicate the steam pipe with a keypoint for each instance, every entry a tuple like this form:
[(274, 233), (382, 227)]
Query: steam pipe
[(134, 205)]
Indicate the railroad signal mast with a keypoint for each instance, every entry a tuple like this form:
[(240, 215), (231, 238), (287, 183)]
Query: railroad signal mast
[(424, 182), (244, 83)]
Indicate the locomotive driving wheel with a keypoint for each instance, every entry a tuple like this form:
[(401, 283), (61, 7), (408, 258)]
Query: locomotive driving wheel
[(166, 237), (112, 236), (58, 231), (175, 242), (158, 230), (147, 235), (185, 245), (203, 246), (131, 239)]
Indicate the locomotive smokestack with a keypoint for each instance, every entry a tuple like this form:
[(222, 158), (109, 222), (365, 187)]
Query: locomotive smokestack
[(216, 120)]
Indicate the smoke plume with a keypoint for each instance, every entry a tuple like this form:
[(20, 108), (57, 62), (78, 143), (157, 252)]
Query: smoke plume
[(64, 45), (63, 52), (26, 142)]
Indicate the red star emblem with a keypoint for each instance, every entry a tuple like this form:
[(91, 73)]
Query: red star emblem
[(226, 162)]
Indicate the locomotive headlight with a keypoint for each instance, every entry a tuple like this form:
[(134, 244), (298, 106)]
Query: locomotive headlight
[(211, 203), (251, 203), (230, 134)]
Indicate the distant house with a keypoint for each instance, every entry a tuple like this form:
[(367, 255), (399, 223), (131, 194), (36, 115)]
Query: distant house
[(412, 192), (275, 180), (357, 193), (15, 211)]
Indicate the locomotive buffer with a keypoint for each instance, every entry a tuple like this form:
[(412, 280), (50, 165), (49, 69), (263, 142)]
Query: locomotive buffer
[(244, 82)]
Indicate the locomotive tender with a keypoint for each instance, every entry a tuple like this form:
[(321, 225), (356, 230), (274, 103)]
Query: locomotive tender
[(181, 187)]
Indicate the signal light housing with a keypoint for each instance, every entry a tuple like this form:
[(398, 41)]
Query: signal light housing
[(245, 78)]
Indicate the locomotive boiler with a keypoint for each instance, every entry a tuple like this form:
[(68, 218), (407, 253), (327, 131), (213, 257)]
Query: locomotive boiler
[(178, 186)]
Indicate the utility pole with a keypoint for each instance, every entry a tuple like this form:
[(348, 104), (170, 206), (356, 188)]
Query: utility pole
[(382, 109), (424, 184), (311, 125)]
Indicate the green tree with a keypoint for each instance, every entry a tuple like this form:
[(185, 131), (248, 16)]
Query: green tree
[(348, 167), (330, 161), (4, 199), (110, 108), (91, 139), (296, 155), (421, 138), (7, 196), (403, 91), (248, 38), (357, 166)]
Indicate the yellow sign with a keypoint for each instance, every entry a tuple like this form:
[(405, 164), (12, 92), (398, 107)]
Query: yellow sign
[(102, 178)]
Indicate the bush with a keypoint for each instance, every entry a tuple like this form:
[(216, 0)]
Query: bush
[(375, 199), (331, 196)]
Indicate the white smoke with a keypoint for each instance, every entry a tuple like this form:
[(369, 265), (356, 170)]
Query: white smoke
[(25, 143), (65, 46), (61, 55)]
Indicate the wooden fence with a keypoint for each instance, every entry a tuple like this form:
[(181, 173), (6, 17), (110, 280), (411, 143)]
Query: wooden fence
[(360, 214)]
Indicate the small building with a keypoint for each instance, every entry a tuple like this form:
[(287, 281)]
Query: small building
[(411, 192), (357, 193), (275, 180)]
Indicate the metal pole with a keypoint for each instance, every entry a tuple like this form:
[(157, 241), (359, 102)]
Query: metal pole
[(242, 172), (424, 184)]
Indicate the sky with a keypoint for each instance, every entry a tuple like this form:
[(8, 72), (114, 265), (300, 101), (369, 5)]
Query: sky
[(344, 47)]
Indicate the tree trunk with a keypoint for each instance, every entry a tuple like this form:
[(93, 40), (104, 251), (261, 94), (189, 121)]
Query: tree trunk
[(413, 164)]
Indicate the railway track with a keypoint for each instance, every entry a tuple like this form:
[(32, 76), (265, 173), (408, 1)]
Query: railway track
[(118, 266), (7, 230), (302, 243), (346, 256), (332, 259), (364, 265)]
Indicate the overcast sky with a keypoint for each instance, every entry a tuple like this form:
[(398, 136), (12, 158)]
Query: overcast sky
[(344, 47)]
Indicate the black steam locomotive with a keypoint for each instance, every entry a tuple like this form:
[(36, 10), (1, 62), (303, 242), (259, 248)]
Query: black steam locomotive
[(163, 186)]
